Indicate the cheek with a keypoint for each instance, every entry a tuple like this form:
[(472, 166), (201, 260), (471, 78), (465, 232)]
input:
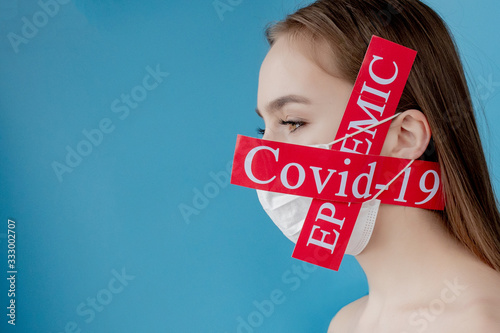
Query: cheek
[(326, 128), (330, 115)]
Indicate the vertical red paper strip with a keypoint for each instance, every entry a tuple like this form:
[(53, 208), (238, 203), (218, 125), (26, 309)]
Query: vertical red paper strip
[(375, 96)]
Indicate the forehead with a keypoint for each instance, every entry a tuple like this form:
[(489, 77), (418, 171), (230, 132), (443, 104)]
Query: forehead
[(295, 66), (306, 47)]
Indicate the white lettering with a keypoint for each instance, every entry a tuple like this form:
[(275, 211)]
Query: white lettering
[(402, 193), (343, 182), (249, 159), (356, 143), (369, 178), (329, 218), (367, 105), (320, 186), (375, 91), (378, 79), (432, 190), (322, 242), (356, 124), (300, 181)]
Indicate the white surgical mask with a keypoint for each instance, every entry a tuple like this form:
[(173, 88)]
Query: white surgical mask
[(289, 211)]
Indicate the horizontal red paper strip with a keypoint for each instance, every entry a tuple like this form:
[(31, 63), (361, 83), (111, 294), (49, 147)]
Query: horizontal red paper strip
[(271, 158)]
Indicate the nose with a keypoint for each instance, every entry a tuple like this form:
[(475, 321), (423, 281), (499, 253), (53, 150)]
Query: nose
[(269, 135), (274, 135)]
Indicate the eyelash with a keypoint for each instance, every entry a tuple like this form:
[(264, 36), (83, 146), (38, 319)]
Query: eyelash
[(299, 124)]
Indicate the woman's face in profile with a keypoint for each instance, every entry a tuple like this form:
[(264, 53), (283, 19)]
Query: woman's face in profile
[(299, 101)]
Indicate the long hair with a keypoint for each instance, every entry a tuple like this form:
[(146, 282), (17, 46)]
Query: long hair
[(436, 86)]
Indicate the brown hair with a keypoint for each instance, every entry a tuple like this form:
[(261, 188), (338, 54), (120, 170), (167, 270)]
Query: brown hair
[(436, 86)]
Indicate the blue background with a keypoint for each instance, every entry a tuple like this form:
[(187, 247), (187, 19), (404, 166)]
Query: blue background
[(119, 208)]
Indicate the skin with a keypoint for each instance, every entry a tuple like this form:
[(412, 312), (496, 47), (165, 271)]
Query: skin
[(420, 278)]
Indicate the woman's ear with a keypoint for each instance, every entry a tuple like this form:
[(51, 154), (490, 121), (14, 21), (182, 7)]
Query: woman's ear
[(408, 136)]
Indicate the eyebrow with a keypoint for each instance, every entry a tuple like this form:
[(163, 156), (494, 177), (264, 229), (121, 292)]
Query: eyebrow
[(280, 102)]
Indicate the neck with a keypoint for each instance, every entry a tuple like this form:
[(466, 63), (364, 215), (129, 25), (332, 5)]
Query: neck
[(410, 256)]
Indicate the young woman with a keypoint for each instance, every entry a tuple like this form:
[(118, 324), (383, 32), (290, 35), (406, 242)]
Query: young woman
[(427, 271)]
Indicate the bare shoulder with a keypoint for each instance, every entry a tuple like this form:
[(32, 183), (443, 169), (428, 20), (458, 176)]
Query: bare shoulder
[(479, 318), (344, 318), (483, 314), (484, 299), (480, 309)]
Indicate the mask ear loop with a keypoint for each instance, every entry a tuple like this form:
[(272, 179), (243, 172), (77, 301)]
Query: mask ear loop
[(364, 129), (393, 179)]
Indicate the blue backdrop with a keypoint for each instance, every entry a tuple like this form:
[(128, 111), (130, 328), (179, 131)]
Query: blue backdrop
[(118, 121)]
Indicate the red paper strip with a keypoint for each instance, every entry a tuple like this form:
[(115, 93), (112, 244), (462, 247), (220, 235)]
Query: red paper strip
[(326, 240), (375, 96), (334, 175)]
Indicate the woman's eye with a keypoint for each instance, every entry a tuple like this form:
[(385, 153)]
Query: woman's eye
[(293, 125), (261, 131)]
